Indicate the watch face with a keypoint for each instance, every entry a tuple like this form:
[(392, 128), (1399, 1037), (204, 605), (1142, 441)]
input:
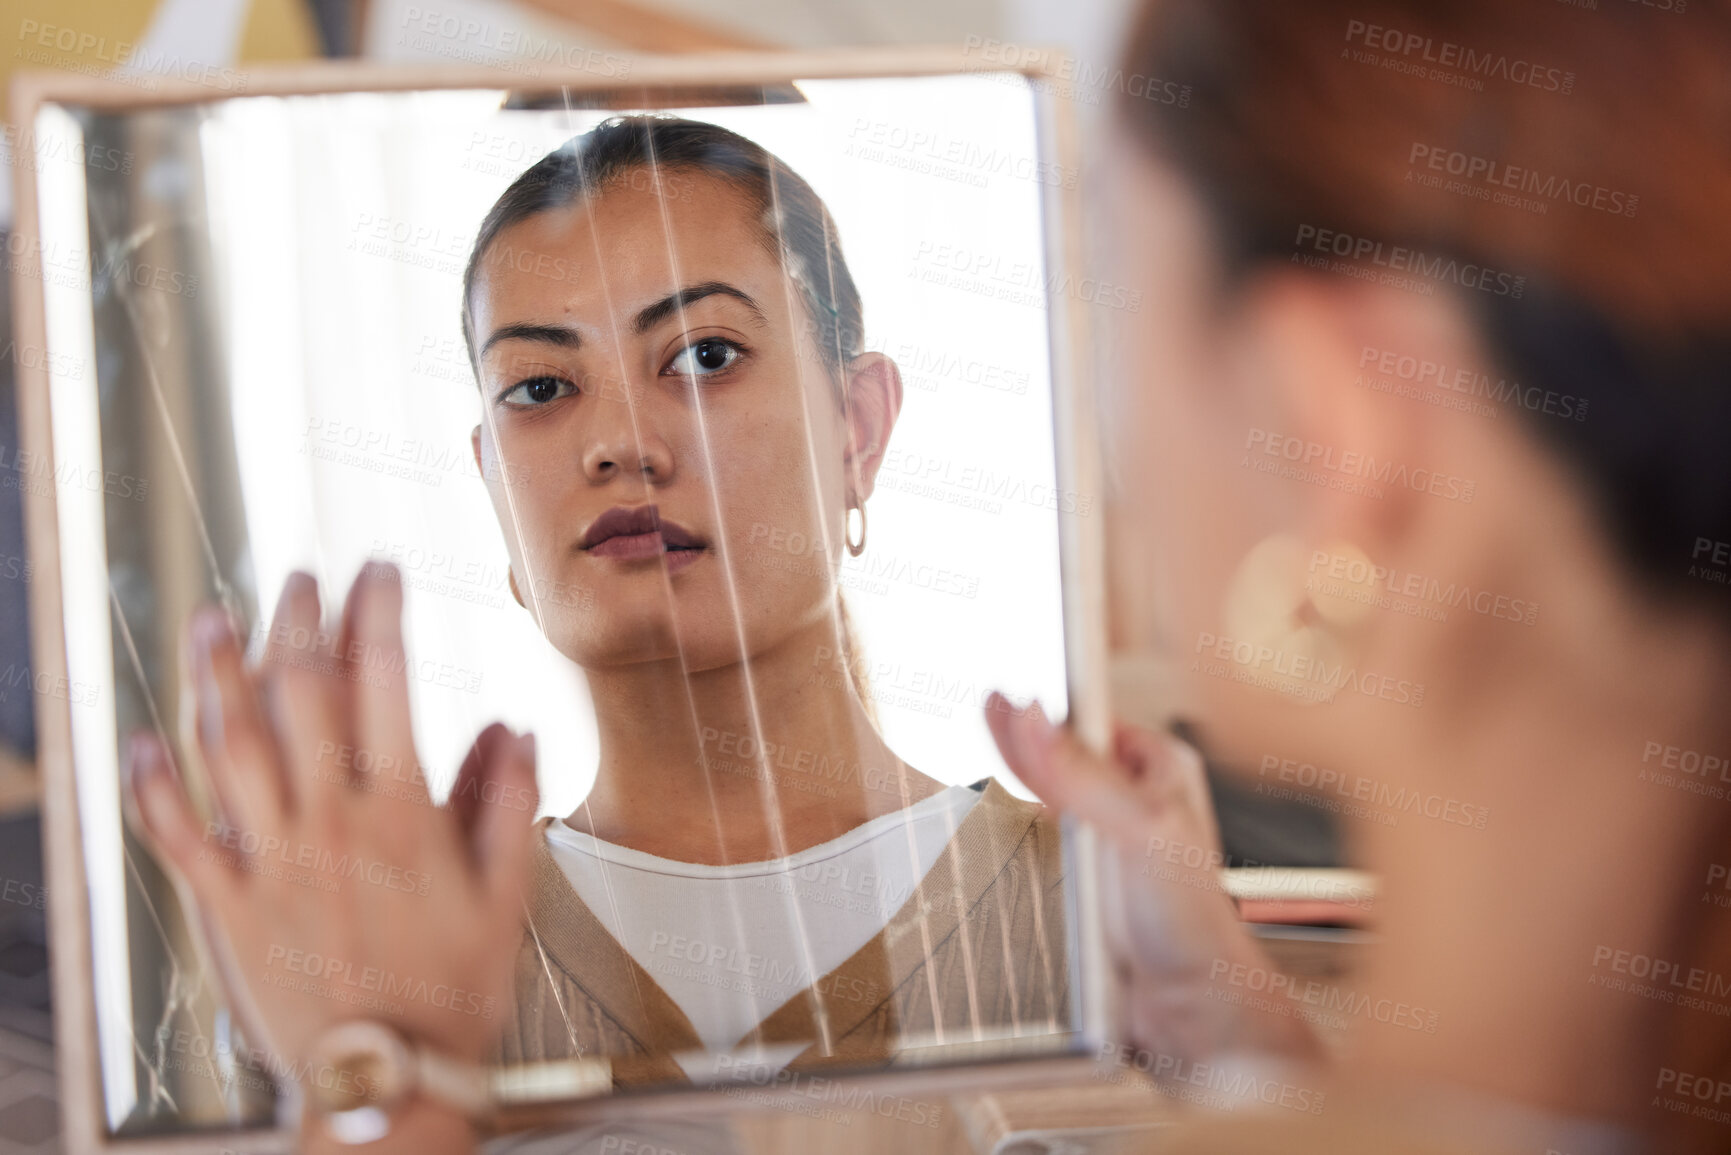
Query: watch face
[(359, 1065)]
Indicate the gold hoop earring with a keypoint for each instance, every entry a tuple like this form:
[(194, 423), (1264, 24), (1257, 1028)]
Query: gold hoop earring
[(511, 580), (855, 548), (1287, 611)]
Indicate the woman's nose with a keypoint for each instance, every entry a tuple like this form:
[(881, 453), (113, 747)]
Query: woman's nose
[(627, 448)]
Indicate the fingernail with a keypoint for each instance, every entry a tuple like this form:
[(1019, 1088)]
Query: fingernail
[(381, 571), (295, 584), (1036, 727), (209, 627), (141, 760), (144, 766)]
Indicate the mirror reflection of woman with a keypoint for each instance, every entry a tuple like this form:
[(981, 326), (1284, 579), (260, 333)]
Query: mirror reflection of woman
[(686, 388), (667, 343)]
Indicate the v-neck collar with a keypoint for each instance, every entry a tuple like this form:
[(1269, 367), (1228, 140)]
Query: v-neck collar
[(826, 1014)]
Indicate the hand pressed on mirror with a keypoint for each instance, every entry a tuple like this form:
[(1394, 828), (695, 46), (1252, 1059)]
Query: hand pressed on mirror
[(1169, 922), (331, 886)]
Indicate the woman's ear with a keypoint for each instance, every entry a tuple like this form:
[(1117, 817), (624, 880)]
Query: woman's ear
[(874, 401)]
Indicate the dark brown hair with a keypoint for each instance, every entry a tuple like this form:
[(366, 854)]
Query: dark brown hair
[(1581, 156), (1318, 113), (796, 227)]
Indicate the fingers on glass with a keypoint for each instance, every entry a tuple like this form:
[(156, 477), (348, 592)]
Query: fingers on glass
[(159, 803), (502, 833), (472, 783), (235, 738), (305, 692), (371, 644)]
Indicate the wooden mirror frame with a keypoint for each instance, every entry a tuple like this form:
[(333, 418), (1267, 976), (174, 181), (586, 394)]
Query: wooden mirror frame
[(1095, 997)]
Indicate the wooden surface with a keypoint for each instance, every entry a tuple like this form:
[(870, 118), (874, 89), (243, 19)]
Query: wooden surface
[(1103, 1112)]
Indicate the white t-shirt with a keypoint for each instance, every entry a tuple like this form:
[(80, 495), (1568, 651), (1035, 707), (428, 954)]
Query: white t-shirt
[(730, 944)]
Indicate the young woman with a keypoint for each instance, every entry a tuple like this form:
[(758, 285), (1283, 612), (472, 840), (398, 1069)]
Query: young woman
[(668, 348), (691, 388), (1436, 325)]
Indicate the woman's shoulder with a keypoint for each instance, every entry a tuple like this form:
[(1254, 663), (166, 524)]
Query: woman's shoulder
[(1004, 810)]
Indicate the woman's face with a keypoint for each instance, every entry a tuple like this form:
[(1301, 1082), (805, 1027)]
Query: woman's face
[(1205, 382), (663, 447)]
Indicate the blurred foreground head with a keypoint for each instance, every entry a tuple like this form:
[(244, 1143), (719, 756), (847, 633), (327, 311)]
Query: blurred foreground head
[(1423, 442), (1437, 304)]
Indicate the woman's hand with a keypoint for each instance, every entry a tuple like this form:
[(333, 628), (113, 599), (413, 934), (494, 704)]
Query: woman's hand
[(330, 885), (1170, 925)]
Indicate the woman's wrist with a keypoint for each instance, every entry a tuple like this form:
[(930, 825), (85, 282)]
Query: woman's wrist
[(365, 1077), (419, 1126)]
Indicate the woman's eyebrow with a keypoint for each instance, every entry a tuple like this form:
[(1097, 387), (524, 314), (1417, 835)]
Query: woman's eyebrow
[(560, 335), (652, 315)]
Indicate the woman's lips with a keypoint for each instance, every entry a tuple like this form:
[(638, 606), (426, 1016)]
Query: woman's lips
[(640, 533), (629, 547)]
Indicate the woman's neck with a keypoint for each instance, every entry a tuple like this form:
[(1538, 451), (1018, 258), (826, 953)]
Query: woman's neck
[(1537, 942), (741, 763)]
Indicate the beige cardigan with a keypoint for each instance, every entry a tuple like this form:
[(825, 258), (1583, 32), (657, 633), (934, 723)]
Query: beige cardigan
[(979, 945)]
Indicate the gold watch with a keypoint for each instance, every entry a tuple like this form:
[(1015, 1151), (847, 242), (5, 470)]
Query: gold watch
[(362, 1072)]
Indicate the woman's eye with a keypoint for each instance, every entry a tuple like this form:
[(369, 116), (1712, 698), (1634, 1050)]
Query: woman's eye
[(701, 358), (536, 391)]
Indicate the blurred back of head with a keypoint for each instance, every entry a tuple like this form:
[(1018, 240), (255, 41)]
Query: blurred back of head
[(1568, 168)]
